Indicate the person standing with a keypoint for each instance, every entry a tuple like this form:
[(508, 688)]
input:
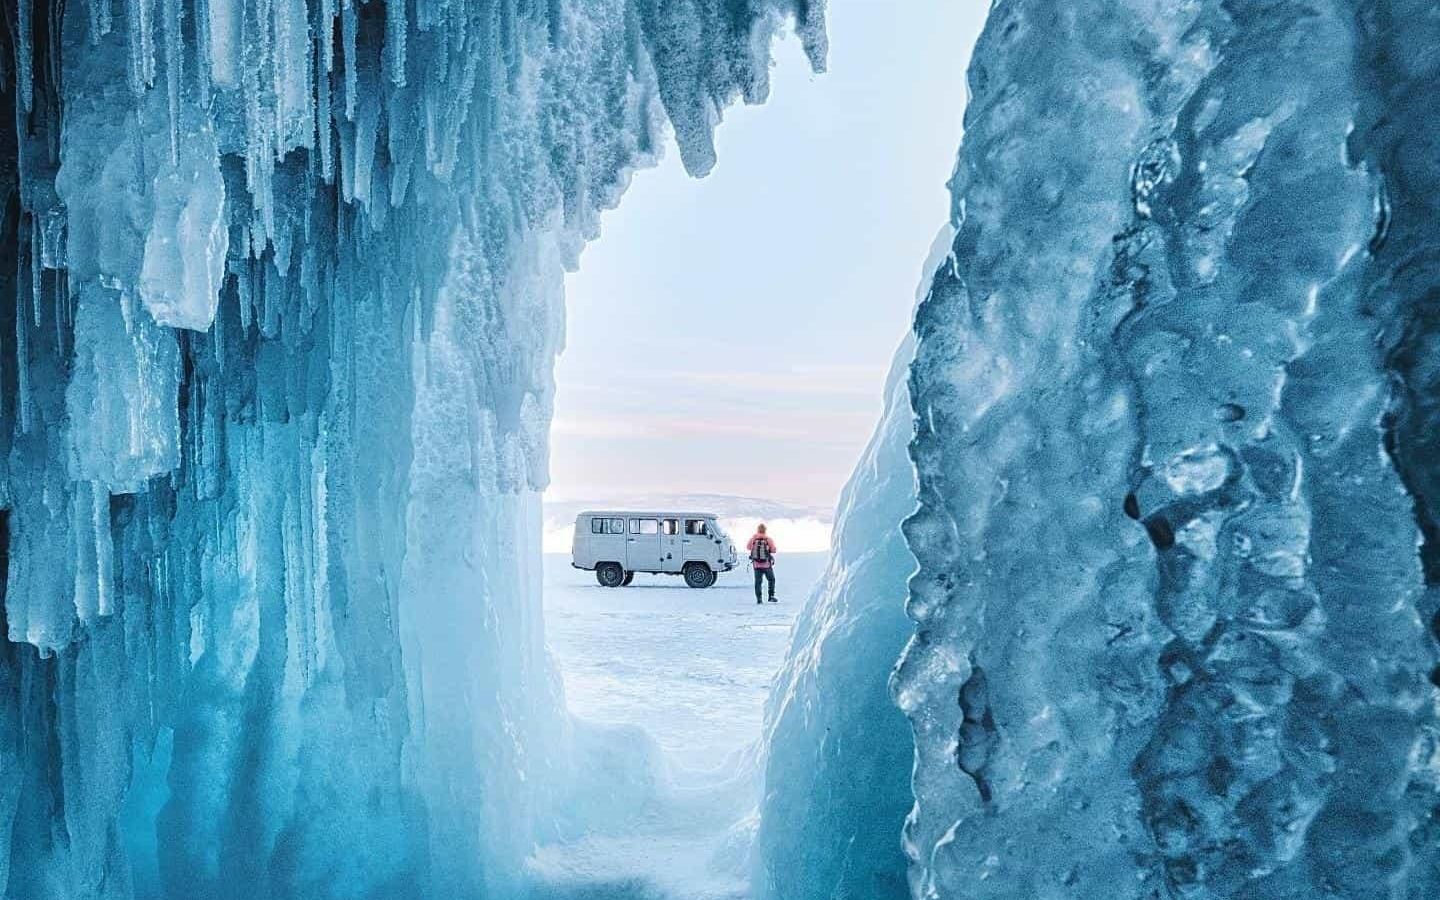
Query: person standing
[(762, 560)]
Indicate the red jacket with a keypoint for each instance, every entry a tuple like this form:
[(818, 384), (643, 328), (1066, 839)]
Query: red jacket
[(769, 544)]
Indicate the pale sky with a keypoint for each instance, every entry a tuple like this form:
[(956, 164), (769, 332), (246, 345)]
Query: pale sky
[(731, 335)]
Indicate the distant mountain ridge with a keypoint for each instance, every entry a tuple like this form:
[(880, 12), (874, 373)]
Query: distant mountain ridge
[(725, 506)]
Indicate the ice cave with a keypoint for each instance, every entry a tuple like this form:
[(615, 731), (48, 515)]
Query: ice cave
[(1143, 549)]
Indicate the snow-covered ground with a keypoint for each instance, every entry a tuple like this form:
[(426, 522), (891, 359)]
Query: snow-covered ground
[(691, 669)]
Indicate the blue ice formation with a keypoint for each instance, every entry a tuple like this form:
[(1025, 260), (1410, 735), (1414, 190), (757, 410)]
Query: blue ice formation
[(1174, 394), (281, 305), (275, 385)]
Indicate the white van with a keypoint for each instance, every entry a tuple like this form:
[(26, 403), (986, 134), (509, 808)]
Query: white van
[(615, 544)]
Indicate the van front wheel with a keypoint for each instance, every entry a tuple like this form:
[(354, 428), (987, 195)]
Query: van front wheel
[(699, 575), (610, 574)]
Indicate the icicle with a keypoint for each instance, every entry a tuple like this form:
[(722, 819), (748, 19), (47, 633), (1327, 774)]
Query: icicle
[(432, 130), (64, 301), (104, 551), (327, 35), (324, 127), (100, 21), (24, 54), (224, 26), (52, 238), (200, 14), (22, 366), (454, 117), (259, 155), (83, 594), (217, 342), (245, 293), (94, 548), (402, 160), (365, 129), (309, 293), (62, 326), (37, 283), (272, 300), (395, 29), (174, 67), (348, 27), (290, 76), (142, 44)]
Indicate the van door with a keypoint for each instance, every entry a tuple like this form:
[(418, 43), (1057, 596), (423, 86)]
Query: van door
[(698, 541), (642, 553), (672, 551)]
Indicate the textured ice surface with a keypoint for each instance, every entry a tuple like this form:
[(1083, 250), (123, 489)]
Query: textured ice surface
[(281, 306), (1175, 451)]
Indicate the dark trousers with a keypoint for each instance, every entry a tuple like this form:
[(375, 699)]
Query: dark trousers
[(767, 575)]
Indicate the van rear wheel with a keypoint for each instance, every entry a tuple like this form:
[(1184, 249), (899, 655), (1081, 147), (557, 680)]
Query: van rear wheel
[(610, 574), (699, 575)]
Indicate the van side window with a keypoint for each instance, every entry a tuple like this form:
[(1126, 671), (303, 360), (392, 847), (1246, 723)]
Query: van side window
[(617, 526), (644, 526), (597, 526), (695, 527), (671, 526)]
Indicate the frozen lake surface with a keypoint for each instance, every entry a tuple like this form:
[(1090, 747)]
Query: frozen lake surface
[(693, 669)]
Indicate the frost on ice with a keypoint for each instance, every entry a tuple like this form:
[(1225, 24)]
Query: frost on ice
[(280, 308), (1174, 398)]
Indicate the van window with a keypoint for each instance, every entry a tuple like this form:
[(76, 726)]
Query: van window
[(695, 527), (597, 526), (671, 526), (644, 526), (617, 526)]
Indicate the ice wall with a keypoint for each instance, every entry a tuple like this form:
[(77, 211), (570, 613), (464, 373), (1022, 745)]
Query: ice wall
[(1175, 406), (275, 379)]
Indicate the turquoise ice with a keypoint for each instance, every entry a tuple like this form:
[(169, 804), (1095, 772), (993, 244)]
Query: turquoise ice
[(1156, 485), (283, 298)]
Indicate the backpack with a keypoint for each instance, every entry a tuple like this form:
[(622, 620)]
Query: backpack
[(761, 551)]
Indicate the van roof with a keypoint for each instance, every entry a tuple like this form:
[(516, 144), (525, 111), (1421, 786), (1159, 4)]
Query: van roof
[(644, 514)]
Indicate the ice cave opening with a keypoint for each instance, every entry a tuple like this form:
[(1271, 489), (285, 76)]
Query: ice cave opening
[(1148, 518), (726, 350)]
